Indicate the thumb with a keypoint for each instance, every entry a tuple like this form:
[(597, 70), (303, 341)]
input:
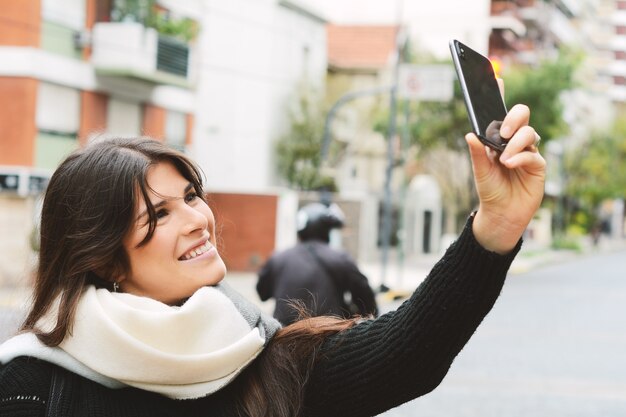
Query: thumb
[(483, 158)]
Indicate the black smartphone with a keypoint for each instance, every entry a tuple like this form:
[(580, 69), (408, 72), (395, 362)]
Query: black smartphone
[(485, 106)]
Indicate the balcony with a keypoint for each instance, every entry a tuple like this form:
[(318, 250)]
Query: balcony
[(129, 49), (505, 16)]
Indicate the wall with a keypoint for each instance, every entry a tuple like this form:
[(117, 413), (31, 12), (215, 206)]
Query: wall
[(93, 115), (18, 98), (359, 235), (251, 57), (16, 256), (20, 23), (246, 228)]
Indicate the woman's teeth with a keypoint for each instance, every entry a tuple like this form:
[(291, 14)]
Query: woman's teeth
[(197, 251)]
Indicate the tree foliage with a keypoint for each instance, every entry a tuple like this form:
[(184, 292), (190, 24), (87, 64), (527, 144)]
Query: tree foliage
[(540, 88), (298, 156), (431, 124), (596, 172)]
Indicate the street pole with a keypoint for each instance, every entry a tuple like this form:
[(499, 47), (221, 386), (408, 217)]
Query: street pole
[(325, 197), (391, 133), (402, 199), (333, 111)]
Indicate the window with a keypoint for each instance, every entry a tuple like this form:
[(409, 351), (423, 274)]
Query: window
[(124, 118), (68, 13), (176, 129), (57, 119)]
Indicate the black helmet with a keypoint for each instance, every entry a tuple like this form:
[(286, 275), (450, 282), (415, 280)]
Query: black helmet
[(316, 220)]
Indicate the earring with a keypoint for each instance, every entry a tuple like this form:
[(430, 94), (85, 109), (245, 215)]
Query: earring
[(116, 286)]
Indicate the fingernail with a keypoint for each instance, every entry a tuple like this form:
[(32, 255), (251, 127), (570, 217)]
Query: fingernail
[(505, 132)]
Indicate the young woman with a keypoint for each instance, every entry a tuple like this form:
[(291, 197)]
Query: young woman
[(130, 316)]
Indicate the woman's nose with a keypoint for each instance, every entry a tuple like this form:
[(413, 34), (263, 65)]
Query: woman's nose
[(194, 220)]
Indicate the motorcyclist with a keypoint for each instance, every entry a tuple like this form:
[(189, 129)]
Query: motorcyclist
[(315, 275)]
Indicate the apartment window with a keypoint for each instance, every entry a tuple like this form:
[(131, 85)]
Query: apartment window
[(620, 55), (619, 80), (620, 30), (69, 13), (176, 129), (57, 119), (124, 118)]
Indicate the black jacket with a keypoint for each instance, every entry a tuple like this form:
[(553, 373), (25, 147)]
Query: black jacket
[(363, 371), (318, 276)]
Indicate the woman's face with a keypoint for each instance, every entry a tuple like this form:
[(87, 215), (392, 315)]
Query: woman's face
[(181, 257)]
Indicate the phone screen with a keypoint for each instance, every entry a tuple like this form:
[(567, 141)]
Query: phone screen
[(483, 100)]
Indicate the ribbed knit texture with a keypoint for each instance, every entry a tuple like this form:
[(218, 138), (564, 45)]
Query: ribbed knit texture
[(383, 363), (372, 367)]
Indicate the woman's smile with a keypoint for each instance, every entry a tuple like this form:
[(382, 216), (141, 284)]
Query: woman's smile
[(205, 249)]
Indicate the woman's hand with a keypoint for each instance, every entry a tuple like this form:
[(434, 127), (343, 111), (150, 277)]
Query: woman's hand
[(510, 186)]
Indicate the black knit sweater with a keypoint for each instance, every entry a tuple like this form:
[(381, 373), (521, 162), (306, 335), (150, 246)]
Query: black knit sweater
[(370, 368)]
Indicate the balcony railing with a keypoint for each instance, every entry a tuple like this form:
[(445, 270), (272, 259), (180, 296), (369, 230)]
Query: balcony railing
[(172, 56), (128, 49)]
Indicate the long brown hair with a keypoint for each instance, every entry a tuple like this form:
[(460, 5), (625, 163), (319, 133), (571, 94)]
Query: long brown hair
[(88, 208), (273, 385)]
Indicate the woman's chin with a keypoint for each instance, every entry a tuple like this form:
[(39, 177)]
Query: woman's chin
[(217, 273)]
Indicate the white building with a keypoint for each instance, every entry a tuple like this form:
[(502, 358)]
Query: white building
[(253, 57)]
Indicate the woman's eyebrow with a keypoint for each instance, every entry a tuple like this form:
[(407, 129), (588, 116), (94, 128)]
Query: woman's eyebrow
[(161, 203)]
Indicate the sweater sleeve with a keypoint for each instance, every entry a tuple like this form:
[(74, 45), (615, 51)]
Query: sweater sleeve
[(382, 363), (24, 388)]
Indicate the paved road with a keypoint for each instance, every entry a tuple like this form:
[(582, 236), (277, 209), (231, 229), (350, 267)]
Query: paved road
[(554, 345)]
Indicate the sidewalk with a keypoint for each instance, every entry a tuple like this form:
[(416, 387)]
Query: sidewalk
[(401, 281)]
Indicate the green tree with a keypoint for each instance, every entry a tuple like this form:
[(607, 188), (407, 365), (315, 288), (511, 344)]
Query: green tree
[(596, 170), (540, 88), (146, 12), (298, 151), (431, 124)]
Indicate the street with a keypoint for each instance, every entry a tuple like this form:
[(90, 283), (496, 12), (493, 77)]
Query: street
[(552, 346)]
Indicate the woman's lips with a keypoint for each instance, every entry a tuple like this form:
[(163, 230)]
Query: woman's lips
[(198, 251)]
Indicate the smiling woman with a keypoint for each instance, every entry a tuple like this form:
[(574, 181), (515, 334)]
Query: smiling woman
[(131, 315)]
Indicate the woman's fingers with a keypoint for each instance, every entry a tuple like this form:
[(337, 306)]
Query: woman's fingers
[(517, 117), (527, 159), (524, 139), (482, 160)]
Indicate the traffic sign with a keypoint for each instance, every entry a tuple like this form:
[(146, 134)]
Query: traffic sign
[(426, 82)]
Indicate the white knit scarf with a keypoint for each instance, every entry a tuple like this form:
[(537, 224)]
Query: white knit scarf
[(181, 352)]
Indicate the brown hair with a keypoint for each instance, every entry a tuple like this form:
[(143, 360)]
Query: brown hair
[(88, 208), (274, 384)]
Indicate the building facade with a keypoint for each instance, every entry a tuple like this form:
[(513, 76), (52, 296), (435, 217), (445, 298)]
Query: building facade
[(209, 77)]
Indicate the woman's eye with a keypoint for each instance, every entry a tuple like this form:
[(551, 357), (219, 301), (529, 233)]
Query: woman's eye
[(161, 213), (190, 197)]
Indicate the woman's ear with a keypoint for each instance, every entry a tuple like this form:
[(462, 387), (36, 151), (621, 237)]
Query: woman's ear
[(111, 273)]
